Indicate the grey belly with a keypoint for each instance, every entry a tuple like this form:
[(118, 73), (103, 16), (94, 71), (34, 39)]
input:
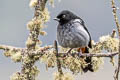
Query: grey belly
[(72, 40)]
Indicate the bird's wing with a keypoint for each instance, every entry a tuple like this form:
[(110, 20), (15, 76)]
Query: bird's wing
[(90, 44), (81, 22)]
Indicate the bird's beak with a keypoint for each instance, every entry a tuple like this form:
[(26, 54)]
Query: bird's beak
[(56, 19)]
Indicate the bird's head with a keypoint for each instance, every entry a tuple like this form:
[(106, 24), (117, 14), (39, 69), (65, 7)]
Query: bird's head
[(65, 16)]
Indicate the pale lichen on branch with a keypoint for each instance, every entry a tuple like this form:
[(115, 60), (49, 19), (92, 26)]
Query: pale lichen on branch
[(114, 11)]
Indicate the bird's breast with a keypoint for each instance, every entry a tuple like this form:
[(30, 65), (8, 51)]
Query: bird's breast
[(72, 36)]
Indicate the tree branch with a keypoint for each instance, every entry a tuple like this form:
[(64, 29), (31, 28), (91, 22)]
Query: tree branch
[(116, 76), (28, 65), (58, 60), (6, 47), (89, 54)]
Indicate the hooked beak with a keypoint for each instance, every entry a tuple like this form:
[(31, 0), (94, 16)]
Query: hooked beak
[(56, 19)]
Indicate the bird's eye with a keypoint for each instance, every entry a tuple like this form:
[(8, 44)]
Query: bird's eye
[(63, 16)]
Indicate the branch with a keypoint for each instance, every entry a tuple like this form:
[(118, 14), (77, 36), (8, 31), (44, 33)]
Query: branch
[(43, 50), (116, 76), (28, 56), (6, 47), (40, 52), (58, 60), (37, 22), (89, 54)]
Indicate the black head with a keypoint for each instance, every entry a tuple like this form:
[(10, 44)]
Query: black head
[(65, 16)]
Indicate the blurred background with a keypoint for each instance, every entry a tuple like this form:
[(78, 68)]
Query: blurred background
[(14, 15)]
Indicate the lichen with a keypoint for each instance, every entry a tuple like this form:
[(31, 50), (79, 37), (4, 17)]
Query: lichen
[(65, 76), (52, 3), (33, 3), (16, 57), (74, 64), (17, 76), (49, 58), (110, 44)]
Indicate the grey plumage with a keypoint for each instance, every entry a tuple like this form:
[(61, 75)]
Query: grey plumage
[(71, 31), (72, 34)]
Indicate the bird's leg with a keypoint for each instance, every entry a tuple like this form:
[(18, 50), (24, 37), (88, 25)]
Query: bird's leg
[(80, 52), (69, 51)]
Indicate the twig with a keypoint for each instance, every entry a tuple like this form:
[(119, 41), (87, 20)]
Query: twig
[(58, 61), (6, 47), (89, 54), (116, 76), (40, 52), (113, 33)]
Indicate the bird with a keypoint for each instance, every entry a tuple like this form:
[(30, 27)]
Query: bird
[(72, 33)]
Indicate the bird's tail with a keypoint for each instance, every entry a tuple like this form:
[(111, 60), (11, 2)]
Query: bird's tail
[(88, 60)]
